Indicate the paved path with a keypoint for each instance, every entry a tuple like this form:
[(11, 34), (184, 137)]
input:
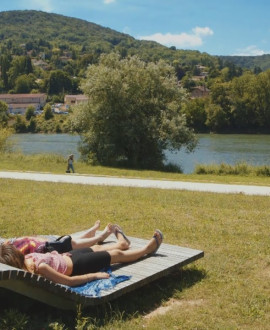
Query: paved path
[(143, 183)]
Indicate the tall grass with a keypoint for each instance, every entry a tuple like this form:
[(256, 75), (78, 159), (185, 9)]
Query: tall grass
[(241, 168)]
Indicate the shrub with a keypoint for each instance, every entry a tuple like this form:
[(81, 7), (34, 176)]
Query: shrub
[(48, 114), (32, 125), (20, 125), (241, 168), (5, 144), (30, 112), (263, 170)]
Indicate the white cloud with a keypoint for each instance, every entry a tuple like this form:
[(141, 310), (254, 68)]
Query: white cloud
[(108, 1), (178, 40), (249, 51), (182, 40), (202, 31)]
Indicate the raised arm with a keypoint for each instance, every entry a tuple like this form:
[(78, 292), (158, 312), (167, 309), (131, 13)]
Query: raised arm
[(52, 275)]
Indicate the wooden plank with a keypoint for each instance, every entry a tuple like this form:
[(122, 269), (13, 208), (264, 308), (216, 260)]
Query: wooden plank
[(168, 258)]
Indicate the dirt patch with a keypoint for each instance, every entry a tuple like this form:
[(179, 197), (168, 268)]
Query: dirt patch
[(172, 303), (265, 272)]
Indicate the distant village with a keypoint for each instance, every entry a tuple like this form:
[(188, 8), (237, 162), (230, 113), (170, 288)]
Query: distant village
[(19, 103)]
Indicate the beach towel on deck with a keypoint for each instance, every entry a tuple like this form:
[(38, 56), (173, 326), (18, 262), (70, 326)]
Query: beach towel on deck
[(94, 288)]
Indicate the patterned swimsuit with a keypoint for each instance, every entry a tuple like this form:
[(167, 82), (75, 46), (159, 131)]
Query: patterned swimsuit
[(28, 244)]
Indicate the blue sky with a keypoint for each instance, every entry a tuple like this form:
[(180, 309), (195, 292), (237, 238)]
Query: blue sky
[(230, 27)]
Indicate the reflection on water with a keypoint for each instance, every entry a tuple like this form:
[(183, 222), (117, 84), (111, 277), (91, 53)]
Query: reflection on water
[(253, 149)]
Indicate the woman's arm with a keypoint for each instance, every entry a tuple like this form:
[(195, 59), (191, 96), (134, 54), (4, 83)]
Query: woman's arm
[(52, 275)]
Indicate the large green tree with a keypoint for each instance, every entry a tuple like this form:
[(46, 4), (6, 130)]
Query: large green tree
[(133, 114), (25, 83), (196, 114), (5, 61), (59, 82), (20, 65)]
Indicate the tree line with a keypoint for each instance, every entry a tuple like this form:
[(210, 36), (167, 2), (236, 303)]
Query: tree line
[(18, 75), (238, 105), (238, 102)]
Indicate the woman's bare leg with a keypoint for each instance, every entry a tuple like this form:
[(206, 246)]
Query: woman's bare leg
[(118, 256), (121, 244), (78, 243), (92, 231)]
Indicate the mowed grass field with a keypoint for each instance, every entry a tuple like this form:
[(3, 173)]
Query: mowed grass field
[(228, 289)]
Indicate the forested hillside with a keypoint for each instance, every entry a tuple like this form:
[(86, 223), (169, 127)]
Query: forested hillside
[(42, 31), (255, 63), (37, 45)]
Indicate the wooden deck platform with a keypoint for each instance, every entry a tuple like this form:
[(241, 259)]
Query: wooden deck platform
[(168, 258)]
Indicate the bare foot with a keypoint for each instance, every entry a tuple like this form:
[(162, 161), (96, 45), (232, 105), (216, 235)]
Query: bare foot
[(155, 242), (108, 230), (96, 226), (92, 231)]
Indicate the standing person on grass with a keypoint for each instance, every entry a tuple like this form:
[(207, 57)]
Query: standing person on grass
[(79, 266), (70, 163)]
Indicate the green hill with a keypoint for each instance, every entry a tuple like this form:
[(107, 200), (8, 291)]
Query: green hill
[(39, 30), (31, 26), (42, 32), (249, 62)]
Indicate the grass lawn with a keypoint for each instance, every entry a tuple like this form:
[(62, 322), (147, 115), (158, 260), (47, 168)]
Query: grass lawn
[(227, 289), (57, 164)]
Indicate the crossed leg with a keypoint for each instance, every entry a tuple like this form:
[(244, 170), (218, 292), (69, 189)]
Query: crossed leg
[(84, 241)]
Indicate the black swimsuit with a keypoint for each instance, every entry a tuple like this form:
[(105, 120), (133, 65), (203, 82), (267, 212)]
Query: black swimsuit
[(85, 261)]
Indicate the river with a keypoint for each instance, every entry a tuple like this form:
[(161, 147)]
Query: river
[(212, 148)]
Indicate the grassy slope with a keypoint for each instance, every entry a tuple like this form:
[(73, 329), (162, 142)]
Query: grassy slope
[(227, 289)]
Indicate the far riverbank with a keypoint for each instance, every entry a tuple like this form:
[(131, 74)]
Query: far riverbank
[(212, 148)]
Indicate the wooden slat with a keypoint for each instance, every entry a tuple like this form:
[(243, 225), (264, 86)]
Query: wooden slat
[(168, 258)]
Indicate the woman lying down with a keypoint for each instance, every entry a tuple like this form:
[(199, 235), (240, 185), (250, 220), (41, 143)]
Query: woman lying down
[(82, 265), (66, 243)]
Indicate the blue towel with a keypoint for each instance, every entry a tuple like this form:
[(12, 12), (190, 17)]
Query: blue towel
[(94, 288)]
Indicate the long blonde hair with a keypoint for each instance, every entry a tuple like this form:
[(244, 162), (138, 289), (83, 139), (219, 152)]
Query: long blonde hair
[(11, 256)]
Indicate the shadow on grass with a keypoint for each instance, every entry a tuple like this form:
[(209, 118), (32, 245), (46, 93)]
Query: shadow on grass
[(20, 312), (169, 167), (146, 299), (138, 302)]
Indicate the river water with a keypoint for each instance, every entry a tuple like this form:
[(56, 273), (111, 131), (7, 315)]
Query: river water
[(212, 148)]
